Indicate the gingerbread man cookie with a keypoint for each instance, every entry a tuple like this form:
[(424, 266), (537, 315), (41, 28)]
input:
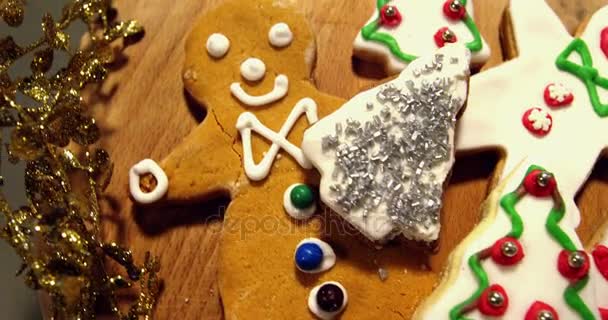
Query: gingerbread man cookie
[(544, 109), (400, 31), (283, 254)]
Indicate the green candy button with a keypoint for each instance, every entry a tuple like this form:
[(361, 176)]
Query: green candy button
[(302, 196)]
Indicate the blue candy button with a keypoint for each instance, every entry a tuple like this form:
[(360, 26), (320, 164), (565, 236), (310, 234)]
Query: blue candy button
[(309, 256)]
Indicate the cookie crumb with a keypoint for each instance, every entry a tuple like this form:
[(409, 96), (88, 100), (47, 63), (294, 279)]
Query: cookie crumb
[(187, 74), (187, 300), (404, 271), (383, 274)]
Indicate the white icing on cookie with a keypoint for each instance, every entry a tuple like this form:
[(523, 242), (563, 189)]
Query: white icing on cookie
[(248, 122), (500, 96), (162, 182), (314, 307), (253, 69), (280, 35), (293, 211), (496, 102), (281, 86), (217, 45), (540, 119), (329, 256), (421, 20), (377, 223)]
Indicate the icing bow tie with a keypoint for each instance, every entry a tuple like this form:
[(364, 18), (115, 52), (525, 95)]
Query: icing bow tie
[(586, 72)]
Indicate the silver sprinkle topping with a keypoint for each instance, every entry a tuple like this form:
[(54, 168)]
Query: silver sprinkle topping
[(543, 179), (545, 315), (576, 260), (509, 249), (388, 160), (455, 6), (448, 35), (370, 105), (496, 299), (383, 274), (390, 11)]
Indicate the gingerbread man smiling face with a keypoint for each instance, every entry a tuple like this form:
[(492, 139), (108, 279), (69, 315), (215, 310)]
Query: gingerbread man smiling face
[(248, 63)]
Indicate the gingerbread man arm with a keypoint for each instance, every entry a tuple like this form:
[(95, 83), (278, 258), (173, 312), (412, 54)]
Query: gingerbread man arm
[(203, 164)]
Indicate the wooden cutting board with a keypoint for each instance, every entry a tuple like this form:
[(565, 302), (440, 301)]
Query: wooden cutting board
[(144, 112)]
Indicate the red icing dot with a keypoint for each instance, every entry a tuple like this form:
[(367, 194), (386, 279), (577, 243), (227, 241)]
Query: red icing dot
[(565, 267), (390, 16), (562, 96), (538, 308), (600, 256), (507, 251), (537, 121), (604, 314), (604, 41), (444, 35), (493, 301), (450, 12), (537, 189)]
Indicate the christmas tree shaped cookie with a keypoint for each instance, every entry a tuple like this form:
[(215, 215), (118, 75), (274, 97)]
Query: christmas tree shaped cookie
[(385, 155), (400, 31), (543, 108)]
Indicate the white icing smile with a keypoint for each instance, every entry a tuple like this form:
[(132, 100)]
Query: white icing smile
[(281, 86)]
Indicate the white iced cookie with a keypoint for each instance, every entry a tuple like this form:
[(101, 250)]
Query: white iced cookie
[(400, 31), (385, 155), (327, 300), (533, 213), (217, 45), (162, 182), (253, 69), (280, 35)]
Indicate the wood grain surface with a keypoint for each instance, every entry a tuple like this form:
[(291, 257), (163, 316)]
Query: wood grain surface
[(144, 113)]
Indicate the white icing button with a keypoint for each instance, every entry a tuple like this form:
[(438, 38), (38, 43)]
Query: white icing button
[(293, 211), (162, 182), (280, 35), (281, 86), (253, 69), (316, 310), (329, 256), (217, 45)]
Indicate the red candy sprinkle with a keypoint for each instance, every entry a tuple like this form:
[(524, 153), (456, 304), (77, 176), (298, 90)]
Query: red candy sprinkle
[(564, 94), (600, 255), (539, 307), (537, 116), (454, 14), (487, 307), (604, 41), (441, 37), (604, 314), (507, 251), (571, 272), (390, 16), (533, 187)]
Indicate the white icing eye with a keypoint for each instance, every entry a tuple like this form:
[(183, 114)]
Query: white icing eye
[(253, 69), (280, 35), (299, 201), (217, 45), (313, 256), (327, 300)]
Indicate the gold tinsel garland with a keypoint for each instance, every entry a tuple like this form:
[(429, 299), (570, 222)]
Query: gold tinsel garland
[(57, 233)]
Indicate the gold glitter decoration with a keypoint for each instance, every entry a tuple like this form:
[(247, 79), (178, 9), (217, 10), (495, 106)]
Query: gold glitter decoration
[(58, 234)]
